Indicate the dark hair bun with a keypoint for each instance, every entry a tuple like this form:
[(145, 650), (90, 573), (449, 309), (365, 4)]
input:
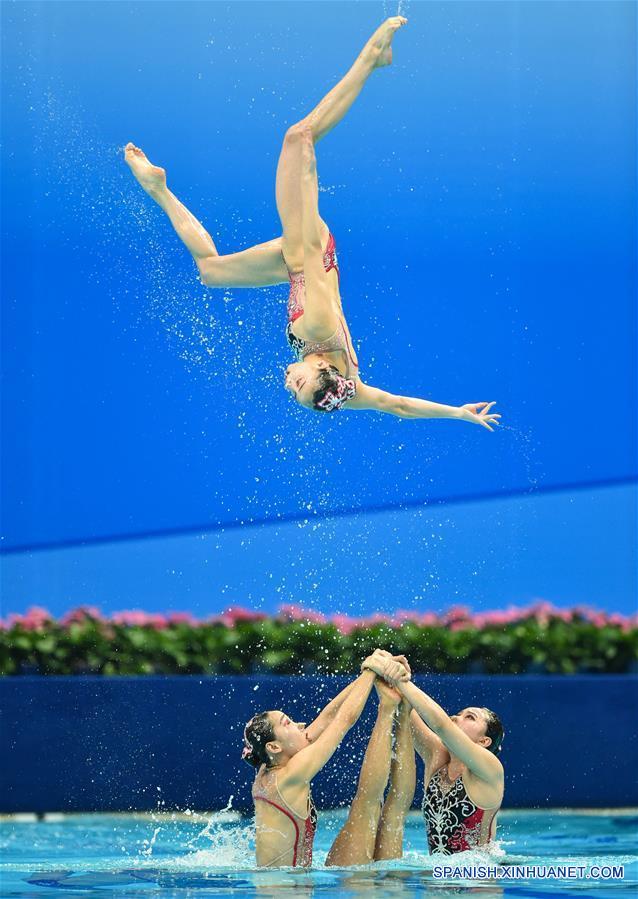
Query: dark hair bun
[(250, 757), (257, 733)]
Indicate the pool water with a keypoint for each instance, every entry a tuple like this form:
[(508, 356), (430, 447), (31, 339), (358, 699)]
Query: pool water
[(197, 855)]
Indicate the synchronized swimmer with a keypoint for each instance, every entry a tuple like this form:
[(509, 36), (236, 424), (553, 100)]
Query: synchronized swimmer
[(325, 376), (463, 776)]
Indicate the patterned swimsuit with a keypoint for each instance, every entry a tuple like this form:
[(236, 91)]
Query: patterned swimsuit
[(338, 342), (453, 822)]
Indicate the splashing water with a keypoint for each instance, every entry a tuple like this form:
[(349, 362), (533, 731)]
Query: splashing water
[(148, 844), (402, 9), (229, 842)]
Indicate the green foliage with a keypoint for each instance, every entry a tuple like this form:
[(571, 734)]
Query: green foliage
[(532, 644)]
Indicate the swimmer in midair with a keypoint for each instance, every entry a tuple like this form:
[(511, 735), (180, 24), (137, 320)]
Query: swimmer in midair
[(325, 376)]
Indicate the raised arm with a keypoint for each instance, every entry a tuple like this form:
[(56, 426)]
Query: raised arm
[(307, 762), (482, 763), (323, 719), (430, 747), (368, 397)]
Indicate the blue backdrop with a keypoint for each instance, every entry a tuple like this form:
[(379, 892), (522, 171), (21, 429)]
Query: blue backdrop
[(482, 194), (100, 743)]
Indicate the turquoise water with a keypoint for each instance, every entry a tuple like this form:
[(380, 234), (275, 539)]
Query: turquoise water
[(197, 855)]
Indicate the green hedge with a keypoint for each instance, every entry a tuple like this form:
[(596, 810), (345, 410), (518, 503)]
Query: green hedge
[(536, 640)]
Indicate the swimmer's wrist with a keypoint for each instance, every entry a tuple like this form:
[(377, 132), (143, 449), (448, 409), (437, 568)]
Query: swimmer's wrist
[(366, 665)]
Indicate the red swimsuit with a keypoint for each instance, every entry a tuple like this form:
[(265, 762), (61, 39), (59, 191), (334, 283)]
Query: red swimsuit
[(266, 789), (339, 341)]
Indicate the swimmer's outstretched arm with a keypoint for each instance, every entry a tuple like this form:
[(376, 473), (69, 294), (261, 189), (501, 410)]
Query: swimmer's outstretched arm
[(480, 761), (303, 766), (429, 746), (412, 407), (323, 719), (307, 762)]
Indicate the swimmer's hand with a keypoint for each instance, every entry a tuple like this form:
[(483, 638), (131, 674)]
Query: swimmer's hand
[(479, 414), (382, 663), (404, 662), (388, 695)]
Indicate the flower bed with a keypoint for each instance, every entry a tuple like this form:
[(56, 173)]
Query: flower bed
[(536, 639)]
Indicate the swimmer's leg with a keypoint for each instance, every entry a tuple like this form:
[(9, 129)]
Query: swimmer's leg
[(258, 266), (355, 842), (401, 791), (323, 118), (376, 53)]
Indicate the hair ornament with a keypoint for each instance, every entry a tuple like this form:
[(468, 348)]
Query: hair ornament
[(344, 390)]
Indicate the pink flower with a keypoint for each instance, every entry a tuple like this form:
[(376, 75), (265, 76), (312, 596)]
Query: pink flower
[(239, 613), (404, 616), (541, 607), (182, 618), (80, 615), (132, 618), (617, 619), (456, 613), (35, 619), (138, 618), (408, 616), (585, 612), (291, 612), (297, 613), (226, 620), (344, 624), (315, 617), (231, 617), (377, 618), (563, 614), (496, 619)]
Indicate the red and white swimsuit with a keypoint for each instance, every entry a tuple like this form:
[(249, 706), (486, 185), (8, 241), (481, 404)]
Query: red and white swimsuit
[(266, 789), (339, 342), (453, 822)]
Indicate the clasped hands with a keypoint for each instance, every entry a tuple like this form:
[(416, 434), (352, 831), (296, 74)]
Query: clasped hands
[(392, 669)]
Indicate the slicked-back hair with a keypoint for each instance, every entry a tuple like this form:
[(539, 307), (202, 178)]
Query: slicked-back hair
[(257, 733), (494, 730)]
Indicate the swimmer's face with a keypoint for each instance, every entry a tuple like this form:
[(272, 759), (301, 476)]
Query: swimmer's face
[(473, 722), (301, 379), (290, 735)]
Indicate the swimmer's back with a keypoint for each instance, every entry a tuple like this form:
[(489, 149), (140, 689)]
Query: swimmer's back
[(283, 837)]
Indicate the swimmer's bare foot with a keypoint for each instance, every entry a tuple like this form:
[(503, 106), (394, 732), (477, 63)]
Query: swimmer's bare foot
[(151, 177), (379, 47)]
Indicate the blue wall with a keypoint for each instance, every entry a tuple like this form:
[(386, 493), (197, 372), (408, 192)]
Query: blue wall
[(482, 196), (90, 743), (572, 547)]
